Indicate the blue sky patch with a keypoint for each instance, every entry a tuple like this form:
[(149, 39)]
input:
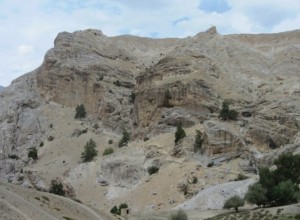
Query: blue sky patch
[(219, 6)]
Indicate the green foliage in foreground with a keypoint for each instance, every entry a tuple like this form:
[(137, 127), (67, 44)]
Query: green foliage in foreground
[(277, 187)]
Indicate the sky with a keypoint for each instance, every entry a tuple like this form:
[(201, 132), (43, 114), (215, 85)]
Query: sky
[(28, 27)]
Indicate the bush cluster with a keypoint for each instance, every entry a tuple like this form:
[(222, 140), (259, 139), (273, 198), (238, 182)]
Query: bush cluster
[(277, 187)]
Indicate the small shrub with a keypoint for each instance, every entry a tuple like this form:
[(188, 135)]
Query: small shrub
[(117, 83), (33, 153), (180, 133), (241, 177), (50, 138), (56, 188), (108, 151), (37, 198), (110, 141), (80, 111), (123, 206), (114, 210), (146, 139), (153, 169), (210, 164), (42, 144), (179, 215), (13, 156), (125, 138), (89, 151)]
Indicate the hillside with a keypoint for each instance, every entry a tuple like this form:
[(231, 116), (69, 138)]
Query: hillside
[(146, 87)]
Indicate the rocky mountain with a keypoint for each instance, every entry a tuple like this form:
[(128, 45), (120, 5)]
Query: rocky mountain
[(146, 87)]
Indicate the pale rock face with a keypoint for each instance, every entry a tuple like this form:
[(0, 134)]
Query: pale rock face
[(147, 86)]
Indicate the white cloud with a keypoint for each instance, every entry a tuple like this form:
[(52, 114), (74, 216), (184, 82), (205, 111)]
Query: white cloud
[(28, 28), (25, 49)]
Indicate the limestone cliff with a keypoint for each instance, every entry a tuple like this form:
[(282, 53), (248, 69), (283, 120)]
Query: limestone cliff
[(147, 86)]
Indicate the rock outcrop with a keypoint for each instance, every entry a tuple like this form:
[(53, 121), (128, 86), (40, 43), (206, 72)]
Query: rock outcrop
[(146, 86)]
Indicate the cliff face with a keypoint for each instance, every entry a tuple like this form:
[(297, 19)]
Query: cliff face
[(149, 85)]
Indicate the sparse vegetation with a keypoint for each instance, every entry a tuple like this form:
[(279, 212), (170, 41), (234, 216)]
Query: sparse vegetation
[(125, 138), (57, 188), (198, 142), (80, 111), (153, 169), (89, 151), (32, 153), (180, 133), (234, 202), (179, 215), (110, 141), (42, 144), (108, 151), (228, 114)]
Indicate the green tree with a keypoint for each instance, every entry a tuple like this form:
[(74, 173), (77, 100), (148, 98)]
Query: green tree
[(32, 153), (89, 151), (80, 111), (125, 138), (198, 142), (288, 167), (285, 193), (234, 202), (179, 215), (226, 113), (180, 133), (256, 195)]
